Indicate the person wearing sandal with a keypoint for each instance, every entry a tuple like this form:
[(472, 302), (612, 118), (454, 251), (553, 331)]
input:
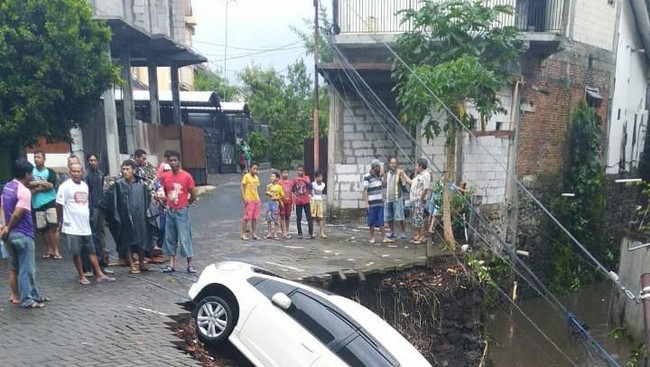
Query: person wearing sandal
[(249, 184), (74, 223), (419, 191), (18, 232), (180, 192)]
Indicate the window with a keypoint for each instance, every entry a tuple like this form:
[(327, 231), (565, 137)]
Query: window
[(270, 287), (319, 319), (361, 352)]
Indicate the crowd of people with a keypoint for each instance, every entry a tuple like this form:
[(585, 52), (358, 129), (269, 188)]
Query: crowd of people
[(146, 210)]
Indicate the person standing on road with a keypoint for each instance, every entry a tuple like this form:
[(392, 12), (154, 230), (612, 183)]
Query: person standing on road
[(273, 206), (73, 212), (317, 204), (43, 186), (419, 191), (18, 232), (126, 203), (301, 195), (287, 202), (246, 149), (7, 257), (373, 199), (394, 205), (94, 178), (249, 184), (180, 193)]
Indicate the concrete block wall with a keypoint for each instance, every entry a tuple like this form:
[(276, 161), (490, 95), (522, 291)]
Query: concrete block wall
[(367, 135), (347, 190), (594, 23)]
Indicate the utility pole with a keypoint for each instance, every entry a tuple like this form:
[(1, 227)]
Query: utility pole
[(316, 119), (225, 51), (645, 297)]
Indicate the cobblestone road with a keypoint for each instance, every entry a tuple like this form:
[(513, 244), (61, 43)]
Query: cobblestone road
[(126, 323)]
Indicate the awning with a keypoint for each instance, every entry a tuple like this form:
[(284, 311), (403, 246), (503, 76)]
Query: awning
[(143, 46)]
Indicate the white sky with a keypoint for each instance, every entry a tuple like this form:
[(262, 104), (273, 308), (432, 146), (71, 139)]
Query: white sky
[(254, 26)]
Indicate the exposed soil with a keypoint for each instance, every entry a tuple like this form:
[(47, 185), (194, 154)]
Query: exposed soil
[(437, 309)]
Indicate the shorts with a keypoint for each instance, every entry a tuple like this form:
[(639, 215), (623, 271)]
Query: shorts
[(178, 231), (76, 245), (46, 218), (417, 218), (272, 212), (317, 209), (394, 210), (376, 216), (286, 209), (251, 210)]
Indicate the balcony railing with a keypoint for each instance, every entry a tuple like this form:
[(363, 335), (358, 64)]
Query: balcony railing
[(380, 16)]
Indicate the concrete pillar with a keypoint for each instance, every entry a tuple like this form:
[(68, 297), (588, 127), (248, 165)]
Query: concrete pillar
[(334, 143), (77, 145), (154, 100), (176, 95), (110, 126), (128, 104)]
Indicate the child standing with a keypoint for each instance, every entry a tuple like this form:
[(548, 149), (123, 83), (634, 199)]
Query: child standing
[(275, 194), (317, 204), (287, 202)]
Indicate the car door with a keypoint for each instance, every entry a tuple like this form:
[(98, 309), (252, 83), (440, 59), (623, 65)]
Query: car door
[(273, 336)]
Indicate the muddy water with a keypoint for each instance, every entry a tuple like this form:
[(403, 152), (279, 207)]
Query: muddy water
[(515, 342)]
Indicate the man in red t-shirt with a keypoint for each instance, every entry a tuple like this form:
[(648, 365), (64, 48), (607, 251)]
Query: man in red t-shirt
[(287, 202), (301, 189), (180, 193)]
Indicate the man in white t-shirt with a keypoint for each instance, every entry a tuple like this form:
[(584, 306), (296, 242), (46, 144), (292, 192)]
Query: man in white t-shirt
[(74, 223)]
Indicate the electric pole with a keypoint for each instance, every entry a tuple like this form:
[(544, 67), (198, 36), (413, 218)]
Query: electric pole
[(316, 119)]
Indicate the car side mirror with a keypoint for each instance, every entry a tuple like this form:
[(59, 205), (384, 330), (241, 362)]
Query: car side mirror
[(281, 300)]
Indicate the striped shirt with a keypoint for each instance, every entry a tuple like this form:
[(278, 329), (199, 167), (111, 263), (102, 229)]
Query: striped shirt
[(373, 184)]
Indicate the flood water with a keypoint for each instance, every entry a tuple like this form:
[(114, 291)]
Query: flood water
[(515, 342)]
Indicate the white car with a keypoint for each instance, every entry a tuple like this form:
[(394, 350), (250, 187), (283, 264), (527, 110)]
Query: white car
[(278, 322)]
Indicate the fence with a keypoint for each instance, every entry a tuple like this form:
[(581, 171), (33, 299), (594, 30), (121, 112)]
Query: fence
[(382, 16)]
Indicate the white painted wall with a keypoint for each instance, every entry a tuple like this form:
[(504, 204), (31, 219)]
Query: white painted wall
[(594, 23), (629, 99)]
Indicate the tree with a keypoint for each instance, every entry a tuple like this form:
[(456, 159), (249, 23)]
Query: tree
[(324, 49), (460, 53), (583, 213), (54, 66), (285, 104), (207, 80)]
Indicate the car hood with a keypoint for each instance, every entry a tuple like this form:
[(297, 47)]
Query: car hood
[(393, 341)]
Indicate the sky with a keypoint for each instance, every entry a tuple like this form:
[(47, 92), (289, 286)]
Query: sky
[(254, 27)]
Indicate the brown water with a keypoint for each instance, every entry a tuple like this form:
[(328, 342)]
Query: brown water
[(515, 342)]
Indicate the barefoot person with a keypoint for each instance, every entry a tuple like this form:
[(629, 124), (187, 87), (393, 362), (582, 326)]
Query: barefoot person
[(317, 204), (251, 199), (373, 199), (19, 233), (74, 222), (287, 202), (274, 194)]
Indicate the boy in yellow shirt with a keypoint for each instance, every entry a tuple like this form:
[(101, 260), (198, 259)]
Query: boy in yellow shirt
[(251, 199), (275, 194)]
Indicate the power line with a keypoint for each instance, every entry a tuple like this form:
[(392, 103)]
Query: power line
[(245, 48)]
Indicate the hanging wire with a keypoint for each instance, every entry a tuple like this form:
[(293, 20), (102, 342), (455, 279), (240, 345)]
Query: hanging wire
[(550, 298)]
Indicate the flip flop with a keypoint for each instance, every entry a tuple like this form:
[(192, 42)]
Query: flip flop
[(48, 256), (43, 300), (36, 305), (372, 242), (134, 271), (84, 282), (387, 241), (168, 269), (256, 238), (106, 280), (243, 238), (57, 257)]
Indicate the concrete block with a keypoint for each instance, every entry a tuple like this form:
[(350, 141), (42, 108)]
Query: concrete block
[(348, 178), (364, 153), (351, 195), (346, 168), (349, 204), (361, 144), (348, 128), (355, 136)]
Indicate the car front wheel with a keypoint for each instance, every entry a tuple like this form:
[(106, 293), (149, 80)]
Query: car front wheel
[(214, 320)]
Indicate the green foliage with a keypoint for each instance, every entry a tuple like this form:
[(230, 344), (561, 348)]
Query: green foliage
[(643, 211), (259, 146), (207, 80), (325, 25), (460, 53), (619, 333), (54, 67), (581, 215), (637, 356), (285, 104)]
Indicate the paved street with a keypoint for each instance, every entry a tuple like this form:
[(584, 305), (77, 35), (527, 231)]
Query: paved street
[(125, 323)]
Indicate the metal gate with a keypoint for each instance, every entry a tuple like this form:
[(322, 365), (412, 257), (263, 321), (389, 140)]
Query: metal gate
[(193, 153)]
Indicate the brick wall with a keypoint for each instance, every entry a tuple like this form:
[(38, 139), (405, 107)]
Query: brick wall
[(551, 90)]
